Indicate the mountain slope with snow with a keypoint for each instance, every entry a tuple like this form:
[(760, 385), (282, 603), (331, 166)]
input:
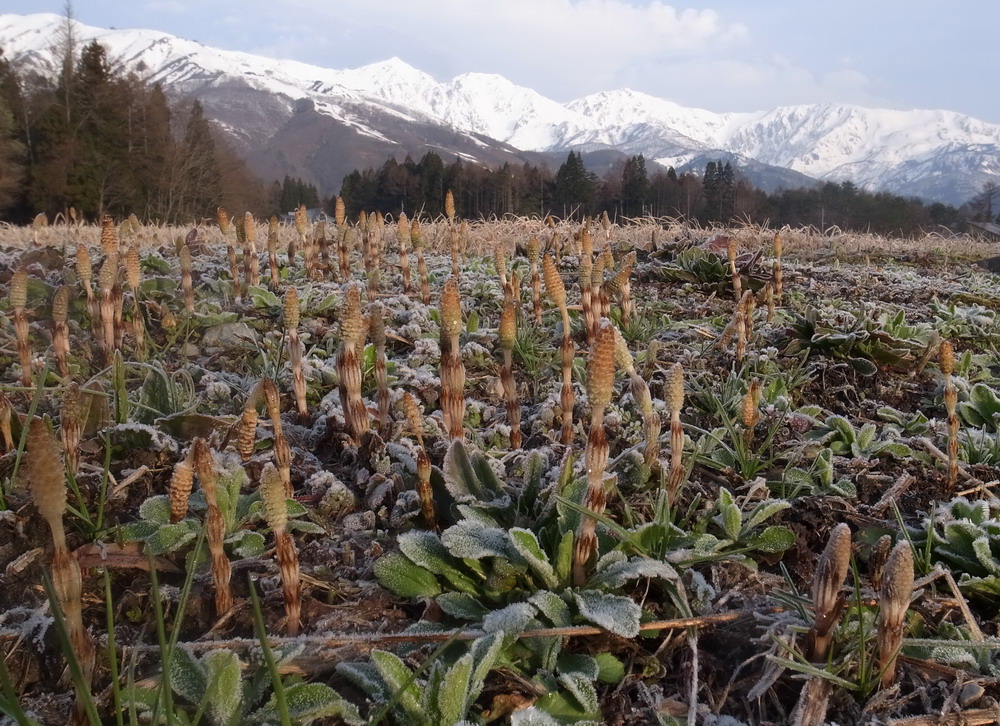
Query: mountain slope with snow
[(391, 108)]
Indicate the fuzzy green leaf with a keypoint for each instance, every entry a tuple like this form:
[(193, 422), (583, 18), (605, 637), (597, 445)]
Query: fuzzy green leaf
[(156, 509), (307, 702), (225, 691), (462, 606), (400, 682), (187, 676), (773, 539), (615, 613), (398, 574), (610, 668), (526, 544), (454, 692)]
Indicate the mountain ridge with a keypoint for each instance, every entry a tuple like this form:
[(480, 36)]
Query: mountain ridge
[(391, 108)]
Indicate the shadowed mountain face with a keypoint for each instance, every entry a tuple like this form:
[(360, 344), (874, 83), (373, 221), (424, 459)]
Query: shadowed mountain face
[(319, 123)]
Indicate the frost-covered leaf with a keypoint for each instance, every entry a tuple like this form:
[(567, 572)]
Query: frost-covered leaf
[(564, 557), (532, 716), (485, 652), (981, 547), (365, 676), (400, 682), (304, 526), (764, 511), (461, 605), (610, 668), (307, 702), (246, 543), (615, 613), (773, 539), (578, 663), (622, 571), (171, 537), (398, 574), (551, 606), (582, 689), (526, 544), (156, 509), (224, 693), (187, 676), (469, 478), (136, 531), (510, 620), (472, 540), (454, 692), (426, 549)]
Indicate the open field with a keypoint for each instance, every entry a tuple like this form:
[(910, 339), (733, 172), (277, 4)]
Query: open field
[(650, 474)]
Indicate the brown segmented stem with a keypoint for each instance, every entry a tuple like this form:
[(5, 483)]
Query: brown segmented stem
[(452, 369), (6, 410), (403, 237), (275, 507), (507, 336), (731, 249), (291, 311), (418, 248), (536, 284), (557, 291), (60, 330), (675, 402), (643, 398), (187, 283), (353, 333), (251, 264), (586, 271), (107, 279), (215, 528), (600, 381), (776, 268), (71, 426), (18, 301), (44, 470), (272, 251), (414, 416), (376, 325)]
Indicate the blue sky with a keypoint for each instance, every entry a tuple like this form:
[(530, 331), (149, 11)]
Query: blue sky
[(728, 55)]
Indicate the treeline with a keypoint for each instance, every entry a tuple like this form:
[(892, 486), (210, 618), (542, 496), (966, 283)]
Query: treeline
[(99, 140), (628, 189)]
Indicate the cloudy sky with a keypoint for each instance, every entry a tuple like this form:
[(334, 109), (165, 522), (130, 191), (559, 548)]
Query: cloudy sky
[(726, 55)]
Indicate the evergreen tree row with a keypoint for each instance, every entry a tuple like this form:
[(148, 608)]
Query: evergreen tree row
[(628, 190)]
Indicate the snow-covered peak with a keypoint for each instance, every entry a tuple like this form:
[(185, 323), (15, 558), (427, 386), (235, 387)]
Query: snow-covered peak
[(873, 147)]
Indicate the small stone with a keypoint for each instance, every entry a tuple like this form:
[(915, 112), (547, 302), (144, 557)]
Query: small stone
[(229, 335), (970, 693)]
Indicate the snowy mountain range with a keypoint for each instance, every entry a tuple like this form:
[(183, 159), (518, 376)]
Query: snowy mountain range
[(319, 123)]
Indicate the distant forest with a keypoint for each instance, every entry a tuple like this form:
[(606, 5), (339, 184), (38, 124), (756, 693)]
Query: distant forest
[(100, 140), (629, 190)]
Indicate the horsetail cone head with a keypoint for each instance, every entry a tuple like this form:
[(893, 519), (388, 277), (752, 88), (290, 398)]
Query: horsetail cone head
[(185, 255), (44, 469), (223, 219), (533, 250), (109, 272), (291, 308), (109, 241), (500, 260), (946, 358), (586, 244), (19, 289), (272, 497), (623, 357), (414, 416), (553, 282), (451, 309), (376, 324), (449, 205), (300, 219), (897, 584), (675, 388), (601, 367), (83, 266), (605, 222), (272, 401), (339, 212), (415, 239), (351, 325), (731, 247), (832, 569), (249, 227), (132, 271), (777, 244), (60, 304), (508, 326)]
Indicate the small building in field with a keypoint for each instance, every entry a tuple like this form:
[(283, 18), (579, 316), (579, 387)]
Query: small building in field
[(312, 215), (988, 230)]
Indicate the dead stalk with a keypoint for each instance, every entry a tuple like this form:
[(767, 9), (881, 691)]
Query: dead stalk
[(215, 528)]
